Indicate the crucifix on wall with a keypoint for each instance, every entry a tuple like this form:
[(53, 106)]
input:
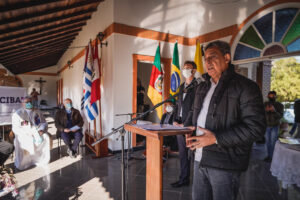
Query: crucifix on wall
[(41, 84)]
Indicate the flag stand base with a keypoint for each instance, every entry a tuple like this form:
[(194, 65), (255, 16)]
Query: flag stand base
[(100, 149)]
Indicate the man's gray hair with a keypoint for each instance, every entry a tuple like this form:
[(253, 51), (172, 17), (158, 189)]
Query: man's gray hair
[(224, 47), (68, 99)]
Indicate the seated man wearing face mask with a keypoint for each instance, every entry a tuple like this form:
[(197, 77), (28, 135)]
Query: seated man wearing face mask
[(183, 106), (69, 122), (167, 118), (32, 143)]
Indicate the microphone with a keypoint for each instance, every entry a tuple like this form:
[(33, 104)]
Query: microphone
[(193, 84)]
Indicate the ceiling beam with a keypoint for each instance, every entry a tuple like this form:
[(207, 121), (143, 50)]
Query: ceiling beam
[(47, 12), (36, 67), (81, 15), (49, 64), (18, 42), (42, 41), (57, 45), (37, 47), (30, 55), (26, 4), (28, 65), (40, 31)]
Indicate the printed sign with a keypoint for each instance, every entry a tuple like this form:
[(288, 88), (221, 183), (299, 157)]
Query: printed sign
[(11, 99)]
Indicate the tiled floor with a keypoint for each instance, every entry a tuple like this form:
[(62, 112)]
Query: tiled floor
[(88, 179)]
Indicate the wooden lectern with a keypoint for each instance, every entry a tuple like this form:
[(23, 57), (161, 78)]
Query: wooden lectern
[(154, 162)]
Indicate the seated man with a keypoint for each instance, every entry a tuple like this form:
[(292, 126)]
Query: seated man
[(69, 122), (32, 143), (167, 118)]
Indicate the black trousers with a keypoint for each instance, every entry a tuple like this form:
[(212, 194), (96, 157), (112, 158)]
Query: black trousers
[(184, 159), (6, 149), (67, 137)]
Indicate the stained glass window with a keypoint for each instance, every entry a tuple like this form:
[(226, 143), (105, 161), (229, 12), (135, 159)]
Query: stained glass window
[(245, 52), (294, 46), (293, 32), (250, 37), (259, 36), (283, 19), (264, 26)]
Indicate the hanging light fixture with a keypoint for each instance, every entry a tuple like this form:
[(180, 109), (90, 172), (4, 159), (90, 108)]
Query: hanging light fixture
[(101, 38)]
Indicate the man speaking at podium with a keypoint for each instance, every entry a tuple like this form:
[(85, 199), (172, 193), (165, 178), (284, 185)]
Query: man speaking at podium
[(228, 115)]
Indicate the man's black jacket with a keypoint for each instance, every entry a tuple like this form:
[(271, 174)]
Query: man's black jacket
[(235, 115), (273, 117), (61, 120), (185, 104)]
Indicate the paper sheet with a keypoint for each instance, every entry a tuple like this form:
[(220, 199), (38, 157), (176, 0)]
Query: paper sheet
[(289, 141), (158, 127), (75, 128)]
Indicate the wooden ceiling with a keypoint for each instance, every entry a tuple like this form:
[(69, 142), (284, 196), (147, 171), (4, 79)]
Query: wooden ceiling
[(34, 34)]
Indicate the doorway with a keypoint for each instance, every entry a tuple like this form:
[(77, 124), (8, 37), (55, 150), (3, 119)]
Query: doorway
[(59, 90), (142, 66)]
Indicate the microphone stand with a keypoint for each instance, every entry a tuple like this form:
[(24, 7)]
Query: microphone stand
[(122, 132)]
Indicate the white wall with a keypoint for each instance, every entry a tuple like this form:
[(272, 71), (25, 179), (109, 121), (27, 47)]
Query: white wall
[(48, 87), (72, 78), (189, 18), (184, 17), (99, 21)]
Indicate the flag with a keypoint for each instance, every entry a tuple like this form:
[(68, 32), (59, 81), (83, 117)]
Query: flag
[(198, 58), (156, 83), (95, 91), (90, 110), (175, 72)]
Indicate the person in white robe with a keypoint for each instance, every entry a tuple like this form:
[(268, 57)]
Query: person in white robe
[(32, 143)]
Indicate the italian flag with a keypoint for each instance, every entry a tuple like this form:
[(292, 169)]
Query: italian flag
[(156, 83)]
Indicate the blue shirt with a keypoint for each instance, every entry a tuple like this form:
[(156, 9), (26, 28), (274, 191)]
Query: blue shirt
[(69, 122)]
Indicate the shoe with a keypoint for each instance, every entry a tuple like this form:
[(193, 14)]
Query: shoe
[(74, 154), (70, 153), (180, 184), (268, 159)]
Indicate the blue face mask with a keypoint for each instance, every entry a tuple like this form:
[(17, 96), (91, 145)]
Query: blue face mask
[(28, 105), (68, 106)]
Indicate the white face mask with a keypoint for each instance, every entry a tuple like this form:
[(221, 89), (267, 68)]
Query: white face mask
[(187, 73), (169, 109)]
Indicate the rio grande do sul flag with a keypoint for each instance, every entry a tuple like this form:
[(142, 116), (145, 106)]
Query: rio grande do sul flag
[(175, 72), (156, 83)]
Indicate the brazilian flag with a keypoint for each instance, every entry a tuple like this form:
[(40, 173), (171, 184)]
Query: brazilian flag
[(175, 72)]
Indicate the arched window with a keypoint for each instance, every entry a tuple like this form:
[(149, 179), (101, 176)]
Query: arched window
[(275, 33)]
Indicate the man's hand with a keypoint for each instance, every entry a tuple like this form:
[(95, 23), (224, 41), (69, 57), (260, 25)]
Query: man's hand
[(186, 137), (176, 124), (272, 109), (66, 130), (208, 138)]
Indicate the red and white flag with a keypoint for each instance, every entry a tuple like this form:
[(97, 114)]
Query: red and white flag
[(95, 90)]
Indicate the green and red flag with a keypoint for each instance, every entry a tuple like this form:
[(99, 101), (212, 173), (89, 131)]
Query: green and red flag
[(156, 83)]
